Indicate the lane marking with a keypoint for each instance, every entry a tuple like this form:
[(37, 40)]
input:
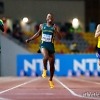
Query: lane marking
[(7, 90), (4, 99), (10, 79), (72, 92), (84, 80)]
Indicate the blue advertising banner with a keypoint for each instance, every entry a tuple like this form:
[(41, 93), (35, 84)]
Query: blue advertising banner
[(65, 65)]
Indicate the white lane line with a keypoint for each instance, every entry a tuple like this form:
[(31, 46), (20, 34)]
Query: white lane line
[(4, 99), (10, 79), (84, 80), (7, 90), (72, 92)]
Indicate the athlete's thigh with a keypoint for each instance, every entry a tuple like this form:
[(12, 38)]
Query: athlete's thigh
[(44, 52)]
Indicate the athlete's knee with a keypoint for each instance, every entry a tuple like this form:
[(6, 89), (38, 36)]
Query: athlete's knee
[(46, 57), (52, 60)]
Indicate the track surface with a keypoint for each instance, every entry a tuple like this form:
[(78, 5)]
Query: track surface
[(37, 88)]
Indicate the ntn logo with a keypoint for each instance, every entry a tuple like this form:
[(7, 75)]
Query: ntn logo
[(33, 64), (84, 64)]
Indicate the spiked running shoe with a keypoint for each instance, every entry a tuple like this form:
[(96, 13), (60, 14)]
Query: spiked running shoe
[(51, 84), (44, 74)]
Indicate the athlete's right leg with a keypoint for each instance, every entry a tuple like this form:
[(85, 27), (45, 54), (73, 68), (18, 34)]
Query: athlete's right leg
[(45, 60)]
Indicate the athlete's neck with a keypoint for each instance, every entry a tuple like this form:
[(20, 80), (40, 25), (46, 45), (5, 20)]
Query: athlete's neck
[(49, 24)]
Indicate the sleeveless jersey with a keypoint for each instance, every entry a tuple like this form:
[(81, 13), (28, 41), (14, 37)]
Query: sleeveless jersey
[(98, 45), (47, 33), (47, 39)]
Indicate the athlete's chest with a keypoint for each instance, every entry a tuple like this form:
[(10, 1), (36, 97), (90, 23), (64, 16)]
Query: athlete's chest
[(48, 30)]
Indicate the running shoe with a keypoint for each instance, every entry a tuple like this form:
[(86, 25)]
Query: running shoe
[(51, 84), (44, 74)]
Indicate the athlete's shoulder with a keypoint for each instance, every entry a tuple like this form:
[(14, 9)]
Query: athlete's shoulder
[(41, 26), (44, 23), (98, 27), (97, 32)]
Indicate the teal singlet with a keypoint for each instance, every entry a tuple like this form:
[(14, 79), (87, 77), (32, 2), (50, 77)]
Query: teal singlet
[(47, 39)]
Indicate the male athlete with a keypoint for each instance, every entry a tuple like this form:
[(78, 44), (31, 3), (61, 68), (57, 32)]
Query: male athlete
[(97, 35), (48, 31)]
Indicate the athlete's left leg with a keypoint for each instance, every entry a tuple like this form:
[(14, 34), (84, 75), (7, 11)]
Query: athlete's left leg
[(52, 69)]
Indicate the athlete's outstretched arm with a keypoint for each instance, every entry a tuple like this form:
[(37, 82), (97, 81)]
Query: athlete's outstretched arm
[(97, 32), (35, 35), (57, 32)]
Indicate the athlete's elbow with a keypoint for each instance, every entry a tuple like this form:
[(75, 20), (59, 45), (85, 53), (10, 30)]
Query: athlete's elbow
[(95, 36), (60, 37)]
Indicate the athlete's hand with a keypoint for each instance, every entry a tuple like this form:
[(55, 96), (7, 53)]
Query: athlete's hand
[(27, 41)]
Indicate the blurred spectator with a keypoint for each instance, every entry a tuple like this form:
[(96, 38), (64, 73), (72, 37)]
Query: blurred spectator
[(65, 29), (6, 28), (34, 27), (92, 26), (73, 48), (90, 49), (17, 33)]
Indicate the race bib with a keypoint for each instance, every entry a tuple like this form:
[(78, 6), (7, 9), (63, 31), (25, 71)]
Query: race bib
[(46, 37)]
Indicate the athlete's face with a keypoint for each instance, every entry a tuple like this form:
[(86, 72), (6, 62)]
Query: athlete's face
[(49, 18)]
